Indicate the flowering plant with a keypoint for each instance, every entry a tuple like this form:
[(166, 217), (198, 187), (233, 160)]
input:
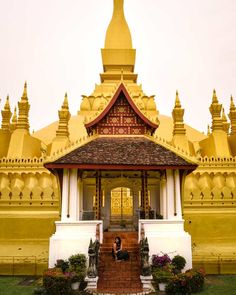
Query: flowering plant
[(160, 261), (191, 281), (55, 282)]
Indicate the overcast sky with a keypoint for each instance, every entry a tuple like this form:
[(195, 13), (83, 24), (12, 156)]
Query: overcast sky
[(189, 45)]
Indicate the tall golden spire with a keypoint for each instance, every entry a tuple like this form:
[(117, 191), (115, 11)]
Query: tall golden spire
[(118, 34), (225, 122), (215, 110), (23, 106), (178, 115), (64, 117), (6, 116), (232, 116), (118, 54)]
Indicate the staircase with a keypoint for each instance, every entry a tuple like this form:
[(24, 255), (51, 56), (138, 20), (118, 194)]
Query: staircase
[(119, 277), (117, 225)]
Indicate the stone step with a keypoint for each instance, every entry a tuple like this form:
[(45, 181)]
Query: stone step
[(121, 234), (119, 277)]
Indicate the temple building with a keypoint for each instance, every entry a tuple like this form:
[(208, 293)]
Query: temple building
[(117, 166)]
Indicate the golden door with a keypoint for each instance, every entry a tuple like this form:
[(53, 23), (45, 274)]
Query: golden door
[(121, 202)]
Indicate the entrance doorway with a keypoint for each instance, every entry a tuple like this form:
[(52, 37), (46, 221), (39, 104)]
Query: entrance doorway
[(122, 206)]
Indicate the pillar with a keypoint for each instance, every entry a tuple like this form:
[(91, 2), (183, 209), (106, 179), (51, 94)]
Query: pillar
[(163, 196), (146, 201), (65, 196), (144, 196), (80, 199), (98, 197), (142, 191), (170, 194), (73, 197), (177, 195)]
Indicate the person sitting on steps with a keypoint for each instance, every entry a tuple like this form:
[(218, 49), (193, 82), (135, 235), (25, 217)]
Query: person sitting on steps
[(118, 253)]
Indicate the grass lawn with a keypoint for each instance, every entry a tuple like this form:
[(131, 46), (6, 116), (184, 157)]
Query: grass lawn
[(215, 285), (9, 286), (220, 285)]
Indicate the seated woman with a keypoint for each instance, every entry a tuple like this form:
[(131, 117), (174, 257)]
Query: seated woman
[(117, 252)]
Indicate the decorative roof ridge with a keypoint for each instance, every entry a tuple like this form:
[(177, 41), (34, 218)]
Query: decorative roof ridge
[(144, 112), (122, 87), (217, 160), (70, 147), (34, 162), (177, 150)]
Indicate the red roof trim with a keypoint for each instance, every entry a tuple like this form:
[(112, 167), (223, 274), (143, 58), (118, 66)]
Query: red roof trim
[(111, 103), (117, 167)]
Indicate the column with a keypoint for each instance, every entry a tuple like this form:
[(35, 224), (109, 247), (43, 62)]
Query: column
[(163, 196), (73, 197), (170, 194), (177, 195), (144, 196), (146, 201), (80, 199), (142, 191), (98, 197), (65, 196)]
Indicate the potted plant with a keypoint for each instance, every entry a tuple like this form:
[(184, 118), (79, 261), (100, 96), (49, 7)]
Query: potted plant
[(160, 261), (162, 277), (76, 279), (178, 263), (77, 261), (77, 264)]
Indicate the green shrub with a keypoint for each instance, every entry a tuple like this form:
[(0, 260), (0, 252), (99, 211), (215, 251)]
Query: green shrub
[(178, 286), (196, 280), (161, 275), (78, 261), (178, 262), (187, 283), (56, 282), (77, 264), (62, 264)]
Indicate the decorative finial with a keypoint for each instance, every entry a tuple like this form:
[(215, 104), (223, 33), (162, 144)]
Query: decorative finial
[(214, 97), (24, 95), (215, 110), (23, 106), (177, 101), (7, 104), (6, 115), (178, 117), (64, 117), (65, 102), (232, 105), (232, 116)]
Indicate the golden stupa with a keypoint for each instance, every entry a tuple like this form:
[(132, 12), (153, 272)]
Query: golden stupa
[(29, 193)]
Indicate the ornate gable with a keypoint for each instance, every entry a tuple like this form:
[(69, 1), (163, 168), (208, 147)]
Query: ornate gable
[(121, 117)]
